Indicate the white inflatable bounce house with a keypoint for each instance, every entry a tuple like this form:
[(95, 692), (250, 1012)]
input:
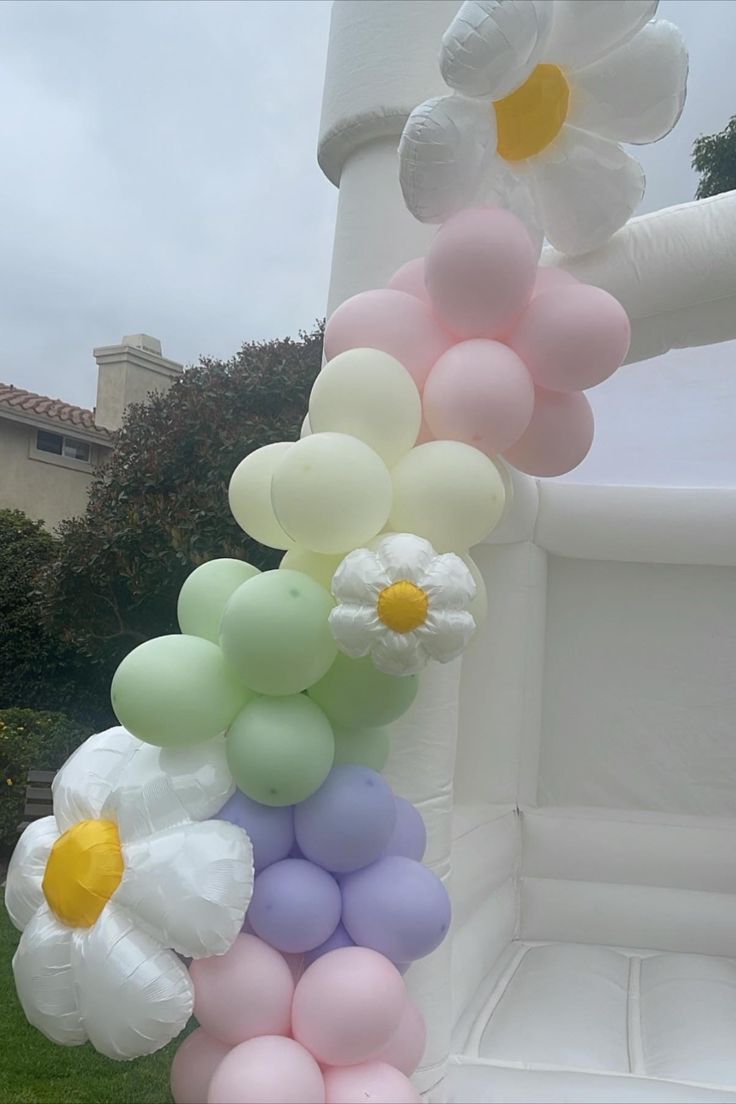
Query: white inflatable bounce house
[(564, 909), (576, 769)]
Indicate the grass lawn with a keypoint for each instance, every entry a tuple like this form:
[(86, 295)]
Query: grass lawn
[(35, 1071)]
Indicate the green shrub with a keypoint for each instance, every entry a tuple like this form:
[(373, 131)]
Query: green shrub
[(30, 739)]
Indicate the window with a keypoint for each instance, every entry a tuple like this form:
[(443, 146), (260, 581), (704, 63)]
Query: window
[(62, 446)]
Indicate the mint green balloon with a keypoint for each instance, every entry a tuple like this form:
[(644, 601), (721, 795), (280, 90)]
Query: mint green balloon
[(280, 750), (367, 746), (205, 594), (176, 690), (355, 694), (274, 632)]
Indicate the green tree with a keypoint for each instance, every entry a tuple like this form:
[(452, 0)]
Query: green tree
[(714, 157), (159, 508)]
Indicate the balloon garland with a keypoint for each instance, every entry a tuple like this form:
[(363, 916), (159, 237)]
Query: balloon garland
[(239, 818)]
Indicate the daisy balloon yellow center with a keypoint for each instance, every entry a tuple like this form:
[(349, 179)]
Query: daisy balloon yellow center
[(530, 118), (84, 869), (403, 606)]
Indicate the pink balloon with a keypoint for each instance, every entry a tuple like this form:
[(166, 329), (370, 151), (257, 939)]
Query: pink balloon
[(559, 435), (410, 278), (267, 1070), (479, 392), (480, 271), (194, 1063), (572, 337), (550, 277), (369, 1083), (405, 1048), (243, 993), (348, 1005), (393, 322)]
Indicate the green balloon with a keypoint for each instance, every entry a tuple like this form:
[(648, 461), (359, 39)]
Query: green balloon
[(367, 746), (280, 750), (176, 690), (355, 694), (275, 633), (205, 594)]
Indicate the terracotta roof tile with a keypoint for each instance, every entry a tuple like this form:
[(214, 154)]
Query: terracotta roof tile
[(16, 398)]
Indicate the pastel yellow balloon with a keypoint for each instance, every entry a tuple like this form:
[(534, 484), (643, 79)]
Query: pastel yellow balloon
[(447, 492), (249, 495), (331, 493), (371, 396), (318, 567), (479, 606)]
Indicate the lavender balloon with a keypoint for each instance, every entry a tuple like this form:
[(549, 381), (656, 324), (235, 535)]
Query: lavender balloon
[(397, 907), (270, 827), (409, 837), (348, 822), (295, 906), (338, 939)]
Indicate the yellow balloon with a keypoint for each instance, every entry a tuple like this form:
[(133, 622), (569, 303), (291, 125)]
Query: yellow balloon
[(447, 492), (331, 493), (318, 567), (371, 396), (249, 495)]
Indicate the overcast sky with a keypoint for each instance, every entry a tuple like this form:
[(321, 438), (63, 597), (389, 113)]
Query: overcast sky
[(159, 173)]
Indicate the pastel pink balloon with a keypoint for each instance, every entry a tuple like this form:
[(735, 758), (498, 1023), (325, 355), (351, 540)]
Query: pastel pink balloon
[(480, 271), (572, 337), (405, 1048), (550, 277), (410, 278), (194, 1063), (479, 392), (558, 437), (369, 1083), (347, 1005), (393, 322), (267, 1070), (243, 993)]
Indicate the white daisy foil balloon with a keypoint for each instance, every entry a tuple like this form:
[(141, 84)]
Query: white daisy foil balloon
[(402, 604), (127, 871), (543, 92)]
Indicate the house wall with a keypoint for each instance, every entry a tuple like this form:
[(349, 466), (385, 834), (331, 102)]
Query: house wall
[(48, 489)]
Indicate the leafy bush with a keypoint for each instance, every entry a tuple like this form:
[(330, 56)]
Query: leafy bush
[(30, 739), (714, 157), (159, 508)]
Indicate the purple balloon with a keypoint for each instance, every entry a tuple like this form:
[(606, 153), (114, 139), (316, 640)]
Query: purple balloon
[(270, 827), (397, 907), (409, 837), (295, 906), (348, 822), (338, 939)]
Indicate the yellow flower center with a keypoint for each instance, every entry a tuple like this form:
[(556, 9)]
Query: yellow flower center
[(85, 868), (531, 117), (403, 606)]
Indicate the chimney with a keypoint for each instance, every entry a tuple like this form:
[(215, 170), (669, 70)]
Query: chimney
[(127, 373)]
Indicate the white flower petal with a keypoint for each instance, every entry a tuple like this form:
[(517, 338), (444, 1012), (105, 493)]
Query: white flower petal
[(359, 577), (490, 48), (398, 653), (583, 32), (23, 893), (188, 887), (90, 774), (637, 92), (355, 627), (444, 152), (161, 787), (446, 634), (405, 556), (449, 583), (134, 995), (42, 966), (585, 188), (510, 188)]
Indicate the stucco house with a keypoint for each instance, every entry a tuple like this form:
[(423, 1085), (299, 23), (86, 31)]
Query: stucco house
[(49, 449)]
